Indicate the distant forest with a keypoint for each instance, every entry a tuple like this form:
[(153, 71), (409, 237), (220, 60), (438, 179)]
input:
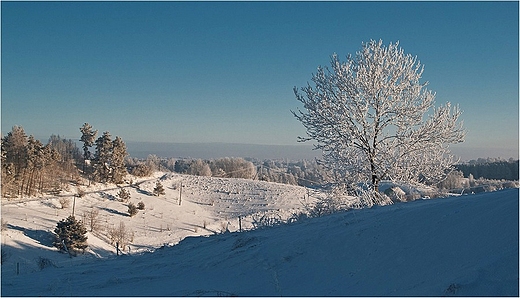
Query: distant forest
[(488, 169), (29, 167)]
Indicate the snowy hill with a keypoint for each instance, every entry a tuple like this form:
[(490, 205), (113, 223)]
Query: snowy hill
[(464, 245)]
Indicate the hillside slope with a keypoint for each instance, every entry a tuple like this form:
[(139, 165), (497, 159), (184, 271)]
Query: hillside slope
[(456, 246)]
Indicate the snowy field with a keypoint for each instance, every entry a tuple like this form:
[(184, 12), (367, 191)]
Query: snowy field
[(464, 245)]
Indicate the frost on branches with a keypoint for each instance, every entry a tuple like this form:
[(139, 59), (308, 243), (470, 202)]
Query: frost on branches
[(374, 120)]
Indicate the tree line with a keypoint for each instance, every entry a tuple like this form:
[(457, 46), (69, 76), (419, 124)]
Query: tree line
[(29, 167), (507, 170)]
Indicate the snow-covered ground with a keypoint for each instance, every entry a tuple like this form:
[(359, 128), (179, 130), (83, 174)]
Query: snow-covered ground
[(465, 245)]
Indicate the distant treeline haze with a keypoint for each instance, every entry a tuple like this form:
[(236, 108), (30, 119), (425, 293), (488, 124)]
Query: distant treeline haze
[(30, 168), (490, 169)]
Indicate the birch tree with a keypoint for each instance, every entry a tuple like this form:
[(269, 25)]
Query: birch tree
[(373, 119)]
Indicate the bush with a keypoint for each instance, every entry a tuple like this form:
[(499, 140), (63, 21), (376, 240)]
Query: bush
[(4, 224), (72, 233), (124, 195), (142, 170), (92, 218), (233, 168), (120, 235), (64, 202), (132, 209), (44, 263), (140, 205)]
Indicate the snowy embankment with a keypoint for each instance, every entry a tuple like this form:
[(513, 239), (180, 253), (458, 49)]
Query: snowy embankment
[(464, 245)]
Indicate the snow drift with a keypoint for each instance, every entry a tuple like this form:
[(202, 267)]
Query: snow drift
[(464, 245)]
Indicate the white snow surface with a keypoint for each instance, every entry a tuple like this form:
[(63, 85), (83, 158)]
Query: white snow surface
[(466, 245)]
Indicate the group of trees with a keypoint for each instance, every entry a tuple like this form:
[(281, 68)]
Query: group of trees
[(29, 167), (222, 167), (303, 172), (107, 164), (507, 170)]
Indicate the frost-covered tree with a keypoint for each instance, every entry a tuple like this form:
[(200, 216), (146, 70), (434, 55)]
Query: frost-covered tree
[(102, 158), (88, 136), (373, 119), (199, 167), (119, 154)]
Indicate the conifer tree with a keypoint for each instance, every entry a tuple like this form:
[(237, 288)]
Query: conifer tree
[(132, 209), (88, 135), (72, 233), (102, 158), (123, 194), (158, 190), (119, 154)]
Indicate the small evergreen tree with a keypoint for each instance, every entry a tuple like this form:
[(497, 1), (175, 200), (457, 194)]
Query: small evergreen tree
[(124, 195), (72, 234), (132, 209), (140, 205), (158, 190)]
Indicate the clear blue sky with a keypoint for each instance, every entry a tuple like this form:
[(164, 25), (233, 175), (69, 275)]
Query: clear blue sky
[(224, 72)]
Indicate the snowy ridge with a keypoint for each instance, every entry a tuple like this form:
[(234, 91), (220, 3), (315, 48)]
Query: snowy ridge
[(464, 245), (208, 206)]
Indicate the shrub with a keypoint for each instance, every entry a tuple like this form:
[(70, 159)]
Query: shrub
[(120, 235), (44, 263), (64, 202), (142, 170), (4, 224), (140, 205), (132, 209), (233, 168), (124, 195), (91, 218)]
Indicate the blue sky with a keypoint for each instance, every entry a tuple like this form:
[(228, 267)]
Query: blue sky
[(224, 71)]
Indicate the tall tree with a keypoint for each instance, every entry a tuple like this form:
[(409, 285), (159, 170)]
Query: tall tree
[(14, 144), (369, 116), (14, 148), (119, 154), (102, 158), (88, 136)]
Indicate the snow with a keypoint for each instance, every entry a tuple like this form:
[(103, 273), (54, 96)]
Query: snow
[(465, 245)]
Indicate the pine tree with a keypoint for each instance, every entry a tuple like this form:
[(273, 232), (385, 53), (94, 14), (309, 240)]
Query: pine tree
[(123, 194), (158, 190), (72, 233), (88, 135), (102, 158), (119, 154)]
